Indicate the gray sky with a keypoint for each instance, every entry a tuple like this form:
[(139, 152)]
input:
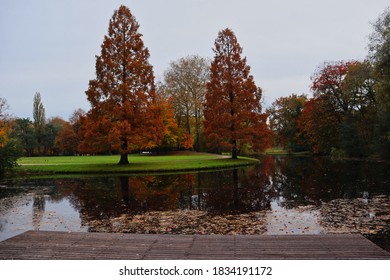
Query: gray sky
[(50, 46)]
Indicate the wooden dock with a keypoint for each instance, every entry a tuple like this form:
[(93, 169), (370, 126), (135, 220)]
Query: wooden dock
[(106, 246)]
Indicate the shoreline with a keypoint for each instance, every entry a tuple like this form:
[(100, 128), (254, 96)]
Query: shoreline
[(139, 164)]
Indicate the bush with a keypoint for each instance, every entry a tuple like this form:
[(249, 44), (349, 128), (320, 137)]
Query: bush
[(9, 154)]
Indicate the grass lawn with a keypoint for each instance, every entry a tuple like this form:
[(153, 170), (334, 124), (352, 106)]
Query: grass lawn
[(138, 163)]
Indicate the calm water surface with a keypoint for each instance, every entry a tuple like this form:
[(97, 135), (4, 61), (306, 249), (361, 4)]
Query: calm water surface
[(282, 186)]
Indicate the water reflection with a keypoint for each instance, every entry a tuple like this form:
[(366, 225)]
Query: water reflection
[(38, 210), (277, 184), (307, 179)]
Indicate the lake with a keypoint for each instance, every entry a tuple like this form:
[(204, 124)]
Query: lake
[(282, 195)]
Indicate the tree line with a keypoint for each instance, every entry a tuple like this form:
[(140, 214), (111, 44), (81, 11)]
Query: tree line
[(37, 137), (197, 106), (211, 105), (349, 113)]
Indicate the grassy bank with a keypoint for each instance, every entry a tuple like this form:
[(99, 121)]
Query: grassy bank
[(282, 152), (138, 163)]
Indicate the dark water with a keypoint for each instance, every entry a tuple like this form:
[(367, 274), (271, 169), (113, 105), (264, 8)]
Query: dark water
[(278, 185)]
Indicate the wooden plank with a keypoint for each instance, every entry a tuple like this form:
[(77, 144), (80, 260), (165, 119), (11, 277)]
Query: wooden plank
[(63, 245)]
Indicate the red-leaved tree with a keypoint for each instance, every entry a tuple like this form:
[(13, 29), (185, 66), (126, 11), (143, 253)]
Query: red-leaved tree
[(232, 110), (124, 114)]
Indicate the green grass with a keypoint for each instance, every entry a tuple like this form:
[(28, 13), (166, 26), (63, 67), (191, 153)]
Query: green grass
[(276, 151), (138, 163)]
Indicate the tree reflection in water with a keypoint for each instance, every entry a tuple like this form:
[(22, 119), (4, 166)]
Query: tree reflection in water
[(230, 191), (297, 180), (287, 181), (38, 210)]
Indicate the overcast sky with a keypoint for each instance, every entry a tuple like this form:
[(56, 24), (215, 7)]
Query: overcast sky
[(49, 46)]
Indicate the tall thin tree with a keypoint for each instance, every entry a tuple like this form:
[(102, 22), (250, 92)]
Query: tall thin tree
[(39, 117)]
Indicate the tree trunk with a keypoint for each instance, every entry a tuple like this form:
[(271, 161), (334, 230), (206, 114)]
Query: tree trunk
[(234, 149), (197, 128), (188, 124), (124, 160), (232, 126)]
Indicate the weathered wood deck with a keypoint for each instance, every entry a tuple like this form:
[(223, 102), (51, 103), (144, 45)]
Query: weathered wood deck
[(86, 246)]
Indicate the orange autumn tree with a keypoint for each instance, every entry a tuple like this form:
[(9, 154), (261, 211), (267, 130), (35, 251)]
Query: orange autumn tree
[(171, 129), (124, 114), (232, 111)]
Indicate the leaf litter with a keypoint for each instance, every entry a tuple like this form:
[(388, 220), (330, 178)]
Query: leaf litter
[(364, 216)]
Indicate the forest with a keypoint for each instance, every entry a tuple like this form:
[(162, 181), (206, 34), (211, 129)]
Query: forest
[(210, 105)]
